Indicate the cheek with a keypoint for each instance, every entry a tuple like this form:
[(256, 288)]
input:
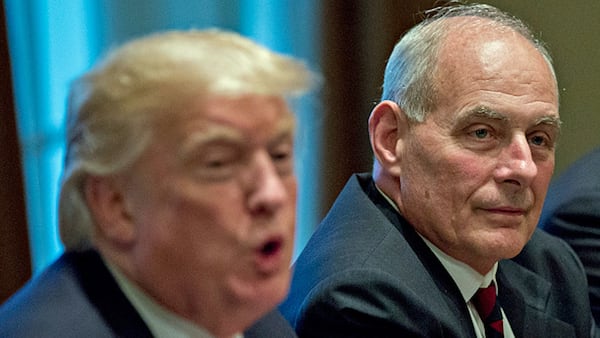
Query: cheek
[(188, 217), (207, 215), (540, 185), (198, 236), (452, 174), (544, 175), (444, 186), (291, 186)]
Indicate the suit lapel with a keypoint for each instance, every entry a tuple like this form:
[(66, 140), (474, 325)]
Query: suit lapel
[(456, 310), (523, 296), (106, 296)]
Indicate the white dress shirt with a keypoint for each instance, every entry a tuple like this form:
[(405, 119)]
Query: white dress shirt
[(468, 282)]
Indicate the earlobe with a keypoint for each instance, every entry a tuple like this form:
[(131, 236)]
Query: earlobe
[(387, 128), (106, 203)]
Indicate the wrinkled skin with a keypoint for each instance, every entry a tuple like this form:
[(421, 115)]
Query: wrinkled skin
[(473, 176)]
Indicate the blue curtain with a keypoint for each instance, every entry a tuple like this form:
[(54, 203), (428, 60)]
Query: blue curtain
[(53, 41)]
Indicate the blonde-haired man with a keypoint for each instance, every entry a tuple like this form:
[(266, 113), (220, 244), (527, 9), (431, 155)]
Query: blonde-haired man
[(177, 206)]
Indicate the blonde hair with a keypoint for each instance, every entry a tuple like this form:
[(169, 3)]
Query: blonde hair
[(112, 108)]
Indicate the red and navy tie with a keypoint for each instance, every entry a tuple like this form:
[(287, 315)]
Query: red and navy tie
[(489, 311)]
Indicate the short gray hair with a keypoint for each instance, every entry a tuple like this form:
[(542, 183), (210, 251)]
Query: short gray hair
[(112, 108), (411, 68)]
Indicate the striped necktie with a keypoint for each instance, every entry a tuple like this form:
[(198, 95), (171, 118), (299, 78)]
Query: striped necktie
[(489, 311)]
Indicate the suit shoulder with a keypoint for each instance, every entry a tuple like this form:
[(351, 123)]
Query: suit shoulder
[(51, 304), (273, 324), (550, 257)]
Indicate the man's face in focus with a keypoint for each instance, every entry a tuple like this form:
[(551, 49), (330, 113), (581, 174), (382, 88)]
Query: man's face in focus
[(475, 172)]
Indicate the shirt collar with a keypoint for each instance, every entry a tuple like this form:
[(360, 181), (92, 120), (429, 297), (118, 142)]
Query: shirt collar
[(466, 278), (160, 321)]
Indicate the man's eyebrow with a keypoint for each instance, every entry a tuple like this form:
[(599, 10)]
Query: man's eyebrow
[(486, 112), (212, 134), (219, 134), (550, 120), (482, 112)]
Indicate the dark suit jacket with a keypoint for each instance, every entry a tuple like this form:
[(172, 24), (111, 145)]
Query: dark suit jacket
[(572, 212), (366, 273), (78, 297)]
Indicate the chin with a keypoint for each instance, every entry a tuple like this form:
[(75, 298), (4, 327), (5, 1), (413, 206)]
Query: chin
[(509, 248), (503, 243), (276, 288), (262, 293)]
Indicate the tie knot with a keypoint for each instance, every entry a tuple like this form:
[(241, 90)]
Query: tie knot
[(485, 300)]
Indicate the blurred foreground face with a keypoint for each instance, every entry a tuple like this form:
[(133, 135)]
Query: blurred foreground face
[(475, 173), (213, 199)]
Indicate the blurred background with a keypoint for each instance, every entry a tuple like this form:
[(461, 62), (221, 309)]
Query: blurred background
[(45, 44)]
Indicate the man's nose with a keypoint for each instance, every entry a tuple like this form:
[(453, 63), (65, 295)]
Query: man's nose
[(267, 189), (516, 164)]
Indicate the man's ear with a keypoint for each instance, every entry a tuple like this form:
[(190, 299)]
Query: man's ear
[(104, 196), (388, 127)]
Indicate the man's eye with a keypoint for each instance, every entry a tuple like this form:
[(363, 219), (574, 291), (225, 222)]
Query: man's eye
[(540, 140), (283, 159), (282, 152), (481, 133), (537, 140), (281, 155), (215, 164), (217, 161)]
